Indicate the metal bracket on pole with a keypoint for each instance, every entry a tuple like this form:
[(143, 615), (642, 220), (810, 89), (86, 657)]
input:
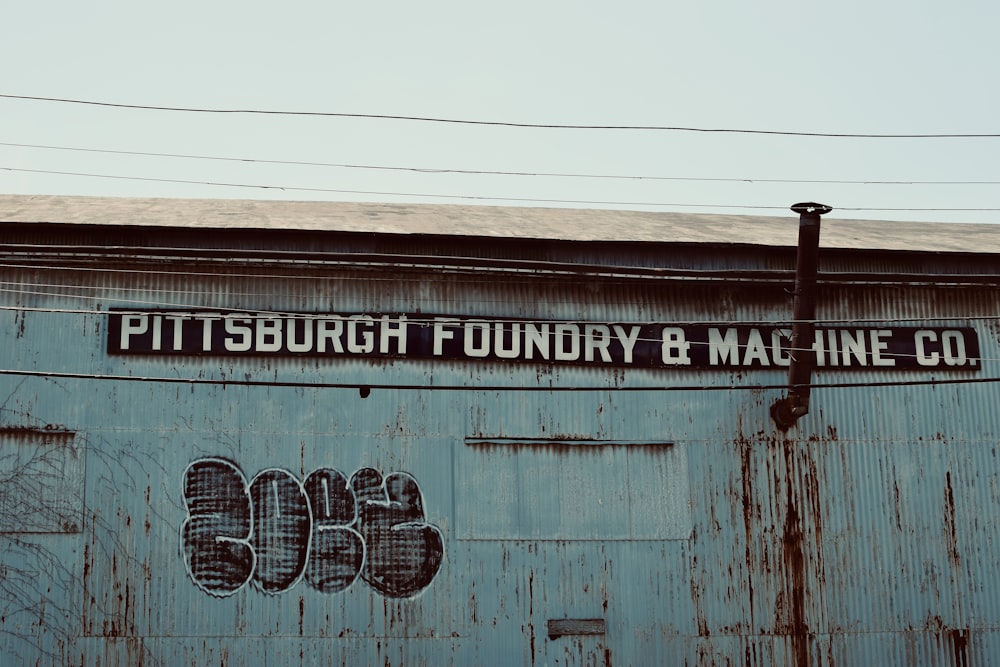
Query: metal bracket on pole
[(786, 411)]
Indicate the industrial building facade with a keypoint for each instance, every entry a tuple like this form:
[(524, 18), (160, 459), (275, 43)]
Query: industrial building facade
[(290, 433)]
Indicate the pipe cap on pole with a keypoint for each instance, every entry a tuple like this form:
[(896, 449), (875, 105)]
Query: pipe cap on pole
[(811, 207)]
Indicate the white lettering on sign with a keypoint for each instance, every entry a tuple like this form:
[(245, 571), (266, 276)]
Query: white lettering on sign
[(511, 350), (879, 347), (723, 349), (177, 332), (360, 325), (239, 335), (756, 351), (132, 325), (397, 332), (300, 336), (441, 334), (567, 342), (208, 319), (536, 339), (329, 330), (269, 335), (477, 339), (649, 345), (780, 357), (954, 348), (597, 338), (675, 348), (627, 339), (934, 347)]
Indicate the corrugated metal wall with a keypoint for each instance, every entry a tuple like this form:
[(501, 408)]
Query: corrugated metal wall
[(606, 526)]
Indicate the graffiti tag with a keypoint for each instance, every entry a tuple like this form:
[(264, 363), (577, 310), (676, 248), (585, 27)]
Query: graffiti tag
[(328, 530)]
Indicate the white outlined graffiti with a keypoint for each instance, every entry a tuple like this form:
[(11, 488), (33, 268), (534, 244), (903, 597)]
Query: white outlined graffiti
[(215, 537), (338, 551), (327, 530), (282, 529), (402, 547)]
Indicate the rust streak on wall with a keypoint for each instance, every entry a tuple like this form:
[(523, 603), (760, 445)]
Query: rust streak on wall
[(794, 562), (949, 522), (746, 468)]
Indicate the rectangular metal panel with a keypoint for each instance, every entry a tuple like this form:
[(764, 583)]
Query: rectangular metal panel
[(512, 489)]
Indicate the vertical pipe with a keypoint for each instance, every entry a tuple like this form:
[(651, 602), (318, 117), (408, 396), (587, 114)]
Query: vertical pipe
[(786, 411)]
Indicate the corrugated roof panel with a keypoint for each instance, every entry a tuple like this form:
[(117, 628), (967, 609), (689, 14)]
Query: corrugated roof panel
[(498, 222)]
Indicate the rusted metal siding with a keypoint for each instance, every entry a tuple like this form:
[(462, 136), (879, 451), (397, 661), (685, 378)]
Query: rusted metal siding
[(682, 519)]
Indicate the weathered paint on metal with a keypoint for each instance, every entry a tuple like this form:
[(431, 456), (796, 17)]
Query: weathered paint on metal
[(681, 522)]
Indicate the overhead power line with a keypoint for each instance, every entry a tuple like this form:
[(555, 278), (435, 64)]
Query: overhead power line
[(495, 123), (533, 200), (488, 172), (237, 382), (380, 193), (136, 306)]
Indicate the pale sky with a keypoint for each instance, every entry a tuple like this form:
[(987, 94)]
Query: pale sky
[(870, 67)]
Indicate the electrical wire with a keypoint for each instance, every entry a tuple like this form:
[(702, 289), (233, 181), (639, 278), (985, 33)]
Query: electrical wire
[(481, 388), (121, 292), (492, 123), (4, 288), (289, 188), (258, 313), (514, 271), (619, 276), (292, 277), (468, 275), (437, 170)]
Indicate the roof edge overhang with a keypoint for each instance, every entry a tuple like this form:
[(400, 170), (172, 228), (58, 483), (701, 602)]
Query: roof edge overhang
[(491, 224), (55, 244)]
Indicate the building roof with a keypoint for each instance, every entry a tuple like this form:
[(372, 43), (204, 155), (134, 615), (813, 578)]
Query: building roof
[(496, 222)]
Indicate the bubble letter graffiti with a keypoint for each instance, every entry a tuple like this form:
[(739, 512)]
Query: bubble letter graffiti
[(276, 530), (337, 551), (281, 529), (215, 536), (404, 551)]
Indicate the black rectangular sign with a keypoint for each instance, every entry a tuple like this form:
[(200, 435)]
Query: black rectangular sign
[(644, 345)]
